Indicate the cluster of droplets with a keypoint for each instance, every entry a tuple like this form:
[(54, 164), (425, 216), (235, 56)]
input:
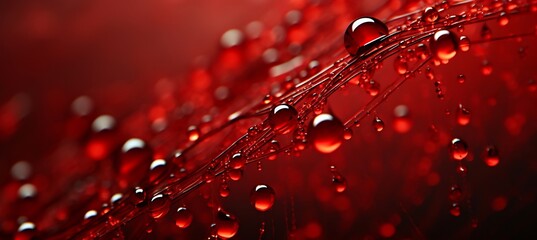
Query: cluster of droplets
[(325, 133)]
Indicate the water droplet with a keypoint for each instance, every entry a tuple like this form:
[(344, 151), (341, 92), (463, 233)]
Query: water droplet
[(262, 197), (114, 200), (274, 147), (91, 214), (237, 161), (486, 68), (503, 19), (26, 231), (492, 157), (461, 78), (532, 85), (430, 14), (464, 43), (283, 119), (226, 224), (224, 190), (340, 183), (21, 170), (463, 116), (27, 191), (455, 193), (363, 33), (159, 205), (138, 196), (326, 133), (402, 122), (157, 169), (486, 33), (183, 217), (193, 133), (444, 45), (400, 64), (372, 87), (234, 174), (347, 134), (135, 152), (422, 52), (378, 124), (455, 210), (458, 149)]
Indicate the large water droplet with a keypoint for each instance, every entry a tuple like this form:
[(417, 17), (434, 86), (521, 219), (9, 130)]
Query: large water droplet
[(444, 45), (262, 197), (363, 33), (326, 133), (283, 119)]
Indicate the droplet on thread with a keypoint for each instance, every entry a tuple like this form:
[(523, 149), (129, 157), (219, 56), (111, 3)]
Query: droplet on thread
[(444, 45), (326, 133), (363, 33), (283, 119)]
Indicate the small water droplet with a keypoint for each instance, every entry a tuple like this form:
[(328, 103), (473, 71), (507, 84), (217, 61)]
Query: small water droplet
[(26, 231), (91, 214), (486, 33), (138, 196), (157, 169), (486, 68), (372, 87), (378, 124), (464, 43), (262, 197), (492, 157), (183, 217), (463, 116), (455, 193), (237, 161), (159, 205), (455, 210), (461, 78), (430, 14), (347, 134), (458, 149), (193, 133), (503, 19), (400, 64)]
